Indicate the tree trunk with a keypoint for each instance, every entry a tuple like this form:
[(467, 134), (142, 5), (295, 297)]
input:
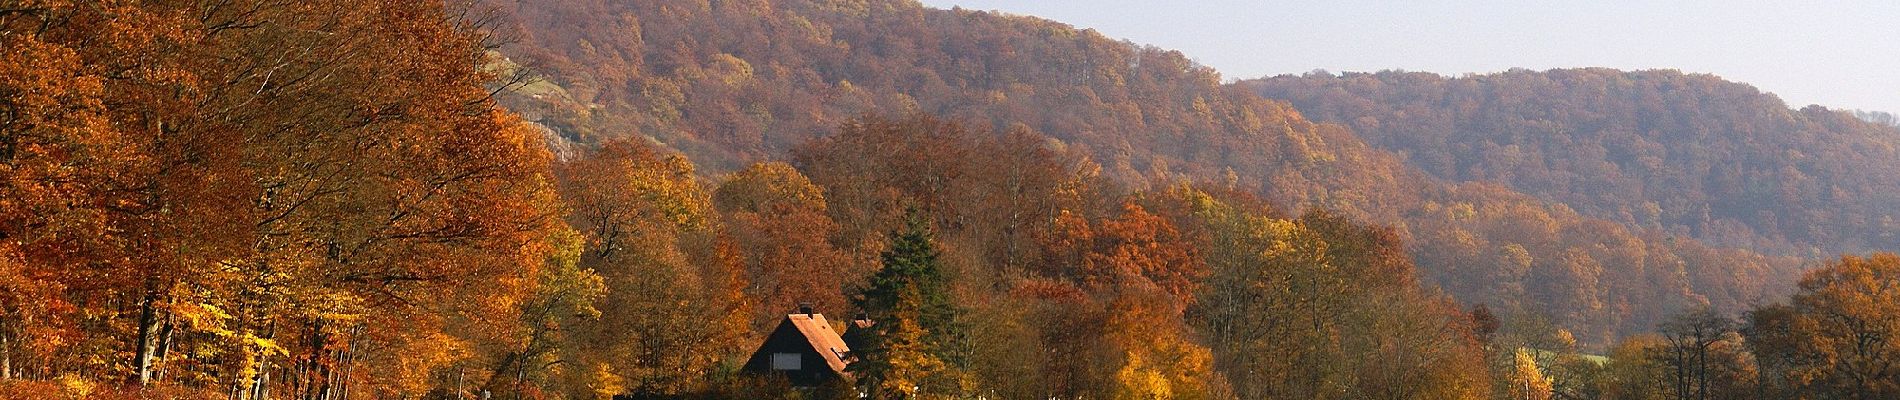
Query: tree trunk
[(316, 371), (521, 371), (349, 364), (148, 319), (6, 348), (164, 348), (499, 376), (261, 390), (1702, 373), (326, 377), (260, 385)]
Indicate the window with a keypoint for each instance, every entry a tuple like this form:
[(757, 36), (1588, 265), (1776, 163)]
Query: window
[(785, 361)]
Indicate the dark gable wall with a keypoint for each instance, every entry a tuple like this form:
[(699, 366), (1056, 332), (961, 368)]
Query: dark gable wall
[(786, 339)]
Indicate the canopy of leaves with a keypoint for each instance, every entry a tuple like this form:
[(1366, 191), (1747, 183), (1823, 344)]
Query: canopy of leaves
[(1688, 154), (259, 195), (1832, 339), (733, 82)]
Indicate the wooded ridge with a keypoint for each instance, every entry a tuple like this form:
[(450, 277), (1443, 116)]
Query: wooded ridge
[(347, 199)]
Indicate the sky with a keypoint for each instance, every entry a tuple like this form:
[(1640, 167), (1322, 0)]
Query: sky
[(1840, 54)]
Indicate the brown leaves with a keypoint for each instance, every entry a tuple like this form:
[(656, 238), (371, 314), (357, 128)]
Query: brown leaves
[(301, 168), (777, 219), (1831, 338), (673, 306), (1139, 248)]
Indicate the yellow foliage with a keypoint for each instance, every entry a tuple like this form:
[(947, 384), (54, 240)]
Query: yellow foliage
[(911, 364), (1137, 380), (605, 383), (208, 318), (267, 345), (1527, 381), (1158, 360), (77, 387), (732, 70)]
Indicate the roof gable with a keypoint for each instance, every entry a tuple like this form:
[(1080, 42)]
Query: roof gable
[(811, 337), (822, 338)]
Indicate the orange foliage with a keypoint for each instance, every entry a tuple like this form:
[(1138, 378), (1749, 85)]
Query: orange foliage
[(730, 83), (259, 195)]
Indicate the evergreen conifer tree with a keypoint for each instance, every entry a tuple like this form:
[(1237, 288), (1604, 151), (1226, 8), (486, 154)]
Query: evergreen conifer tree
[(915, 348)]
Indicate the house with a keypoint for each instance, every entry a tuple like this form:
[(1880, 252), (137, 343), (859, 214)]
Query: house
[(804, 348)]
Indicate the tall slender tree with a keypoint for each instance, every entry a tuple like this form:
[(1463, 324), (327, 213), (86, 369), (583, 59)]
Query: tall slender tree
[(916, 345)]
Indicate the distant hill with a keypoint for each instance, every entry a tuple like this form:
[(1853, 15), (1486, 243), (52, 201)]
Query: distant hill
[(731, 82), (1691, 155)]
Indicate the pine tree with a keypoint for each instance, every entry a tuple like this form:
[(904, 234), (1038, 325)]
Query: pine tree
[(915, 349)]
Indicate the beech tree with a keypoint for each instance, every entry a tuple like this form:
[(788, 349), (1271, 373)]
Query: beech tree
[(673, 306), (227, 242), (1318, 307), (1690, 339), (1831, 338), (778, 220), (1526, 380)]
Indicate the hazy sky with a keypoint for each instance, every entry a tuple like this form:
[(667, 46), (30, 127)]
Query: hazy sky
[(1842, 54)]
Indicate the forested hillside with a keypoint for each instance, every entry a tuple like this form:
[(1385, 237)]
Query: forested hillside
[(574, 199), (732, 81), (316, 200), (1690, 155), (321, 200)]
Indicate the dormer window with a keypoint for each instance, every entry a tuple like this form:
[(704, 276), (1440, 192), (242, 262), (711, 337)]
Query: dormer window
[(785, 361)]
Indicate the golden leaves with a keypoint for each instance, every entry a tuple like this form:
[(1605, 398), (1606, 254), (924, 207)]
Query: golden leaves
[(265, 191), (1526, 380)]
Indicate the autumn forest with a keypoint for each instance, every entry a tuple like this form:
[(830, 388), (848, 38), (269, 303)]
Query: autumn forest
[(622, 199)]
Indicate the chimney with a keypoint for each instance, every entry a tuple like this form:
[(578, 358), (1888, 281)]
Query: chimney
[(804, 308)]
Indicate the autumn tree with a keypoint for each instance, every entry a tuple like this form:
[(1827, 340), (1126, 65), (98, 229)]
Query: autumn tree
[(1016, 188), (1045, 339), (563, 299), (917, 346), (299, 198), (1831, 339), (874, 169), (994, 197), (1526, 381), (1693, 341), (1155, 354), (1142, 249), (672, 308), (1312, 307), (1631, 370), (779, 222)]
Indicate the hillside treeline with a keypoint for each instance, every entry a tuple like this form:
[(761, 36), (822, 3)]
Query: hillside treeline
[(730, 82), (1690, 155), (321, 200), (326, 200), (308, 200), (1825, 342)]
